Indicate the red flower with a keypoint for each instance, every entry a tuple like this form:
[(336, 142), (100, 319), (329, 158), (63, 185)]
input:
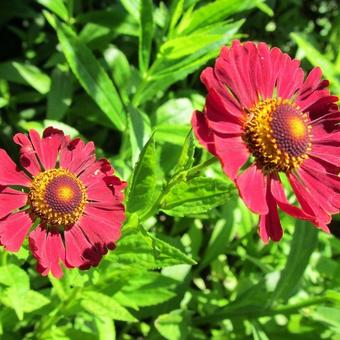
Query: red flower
[(264, 121), (72, 201)]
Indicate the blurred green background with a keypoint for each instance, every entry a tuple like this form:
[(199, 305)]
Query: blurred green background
[(117, 73)]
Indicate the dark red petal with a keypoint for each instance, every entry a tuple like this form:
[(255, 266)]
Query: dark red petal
[(10, 174), (48, 249), (202, 131), (212, 83), (233, 68), (47, 148), (264, 73), (10, 200), (77, 156), (232, 152), (13, 229), (281, 200), (28, 157), (115, 214), (325, 195), (311, 83), (290, 77), (79, 252), (101, 235), (252, 187), (218, 118), (270, 225), (309, 204)]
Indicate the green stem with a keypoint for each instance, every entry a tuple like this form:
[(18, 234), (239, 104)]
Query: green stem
[(201, 166), (58, 313)]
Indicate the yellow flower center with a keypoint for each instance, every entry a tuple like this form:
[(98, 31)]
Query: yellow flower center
[(58, 197), (278, 134)]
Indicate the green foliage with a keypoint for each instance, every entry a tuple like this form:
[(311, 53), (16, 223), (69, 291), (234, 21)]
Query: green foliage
[(189, 264)]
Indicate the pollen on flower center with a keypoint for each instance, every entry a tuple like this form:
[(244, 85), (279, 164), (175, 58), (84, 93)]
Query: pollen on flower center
[(58, 197), (278, 134)]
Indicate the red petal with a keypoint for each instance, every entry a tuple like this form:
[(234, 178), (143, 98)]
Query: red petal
[(218, 118), (203, 133), (281, 200), (13, 229), (10, 174), (48, 248), (233, 69), (47, 148), (270, 225), (252, 187), (76, 156), (100, 234), (308, 203), (232, 152), (79, 252), (10, 200), (28, 157)]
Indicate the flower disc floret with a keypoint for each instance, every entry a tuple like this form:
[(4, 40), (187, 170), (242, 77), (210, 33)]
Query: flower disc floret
[(278, 134), (58, 197)]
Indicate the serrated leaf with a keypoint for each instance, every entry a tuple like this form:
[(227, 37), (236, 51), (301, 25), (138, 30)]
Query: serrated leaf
[(194, 196), (25, 74), (91, 75), (304, 241), (143, 183), (104, 306), (186, 157), (13, 297), (13, 276), (139, 248), (145, 34), (33, 300), (147, 289)]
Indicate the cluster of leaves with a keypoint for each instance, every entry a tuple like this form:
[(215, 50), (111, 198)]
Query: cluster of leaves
[(189, 264)]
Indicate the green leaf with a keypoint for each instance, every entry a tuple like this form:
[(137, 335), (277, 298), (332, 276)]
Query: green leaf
[(139, 248), (25, 74), (139, 131), (59, 98), (13, 297), (166, 71), (177, 13), (104, 306), (13, 276), (121, 70), (213, 12), (174, 325), (145, 34), (147, 289), (91, 76), (143, 183), (186, 158), (195, 196), (328, 315), (106, 328), (33, 300), (304, 241), (317, 58), (57, 7)]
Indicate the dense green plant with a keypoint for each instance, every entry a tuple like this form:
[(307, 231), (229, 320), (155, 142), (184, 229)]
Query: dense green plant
[(189, 265)]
